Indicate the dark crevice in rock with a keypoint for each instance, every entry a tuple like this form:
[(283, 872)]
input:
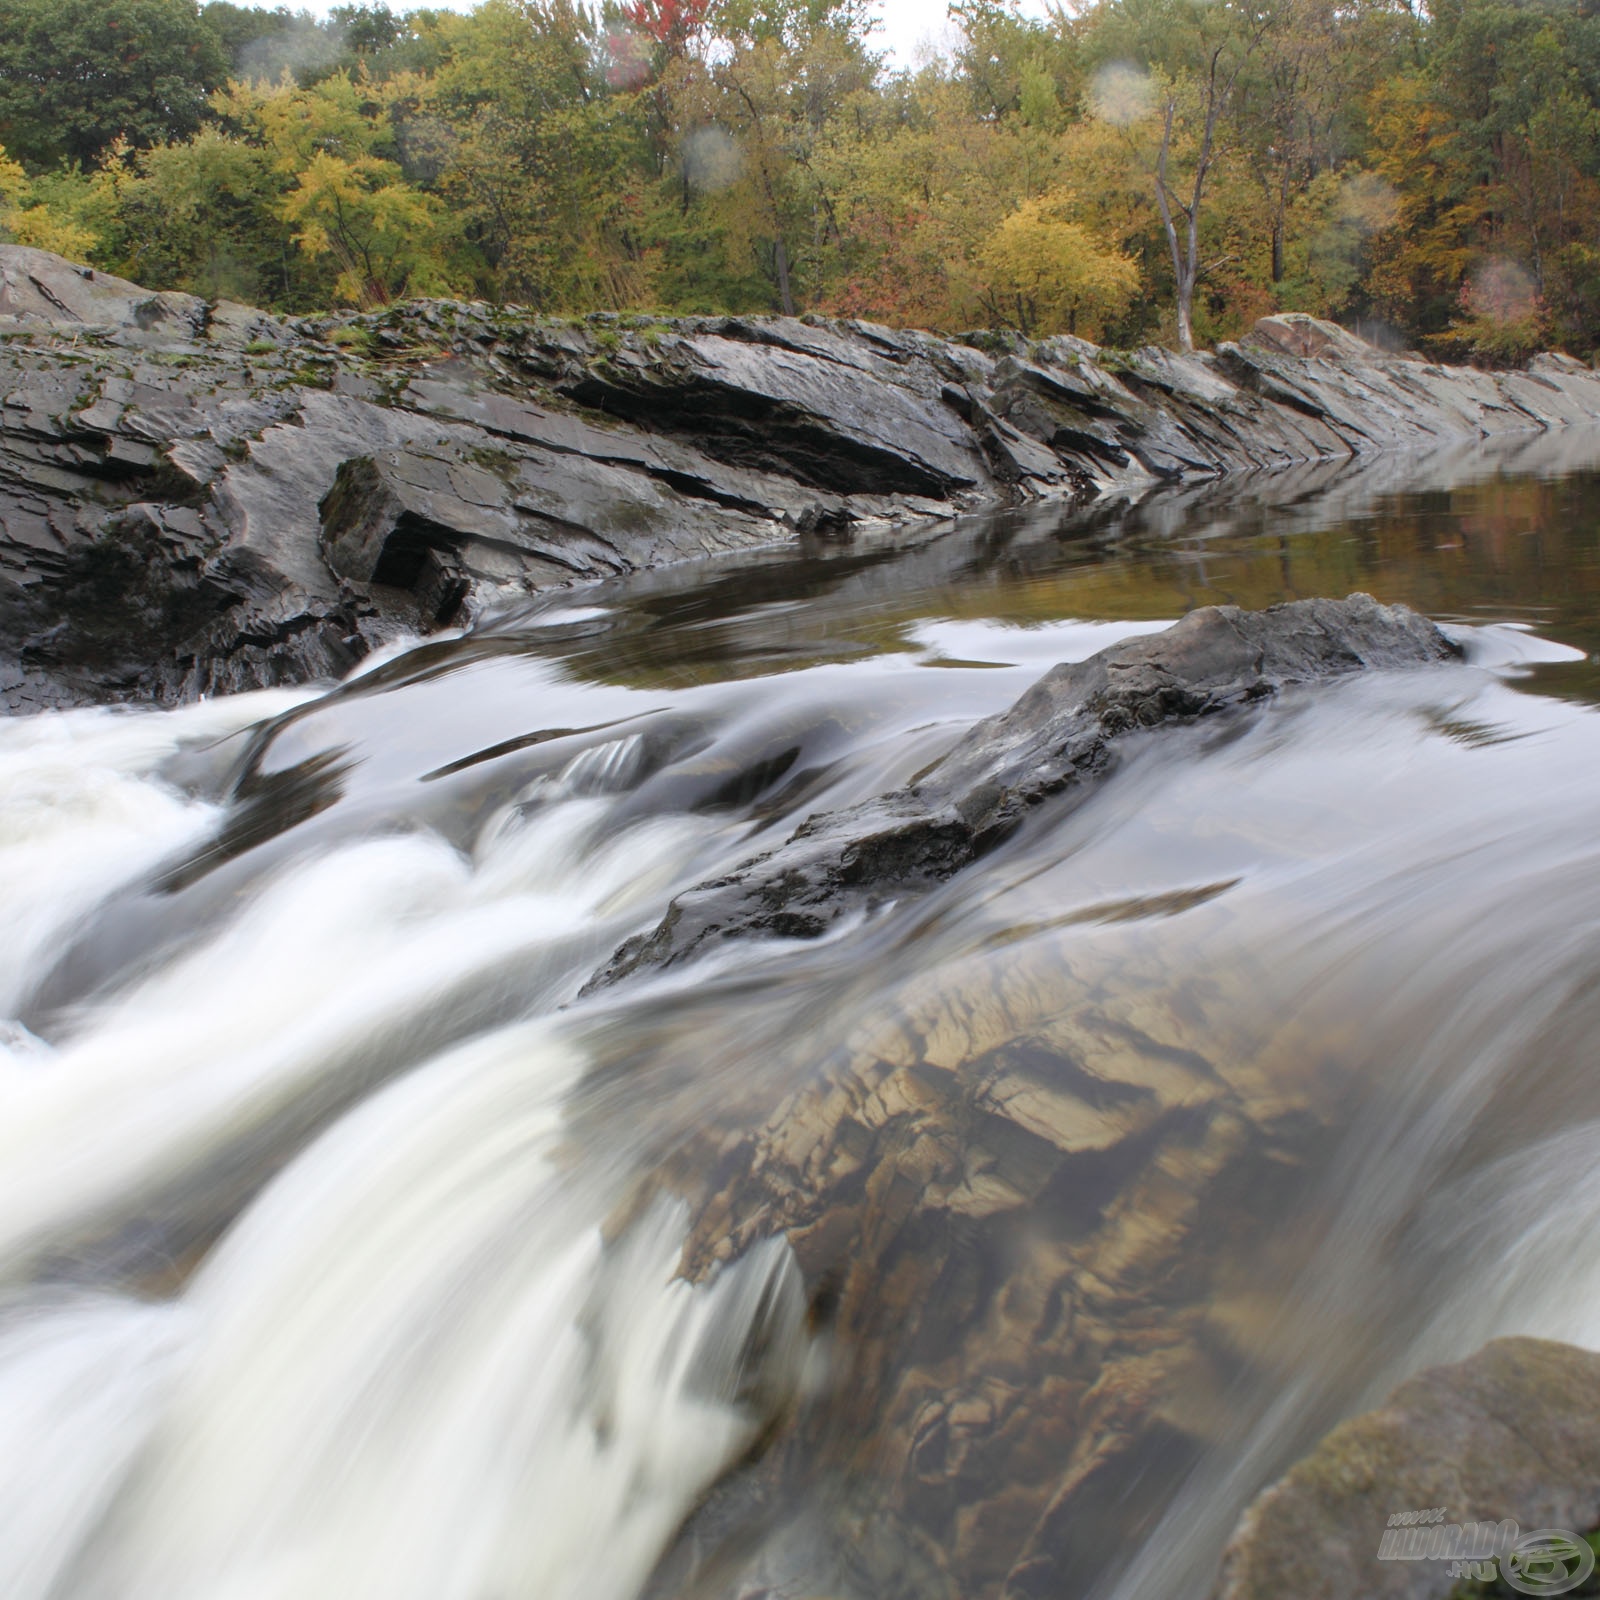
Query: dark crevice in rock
[(758, 434)]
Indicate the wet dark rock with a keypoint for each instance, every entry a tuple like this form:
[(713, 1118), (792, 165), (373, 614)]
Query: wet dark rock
[(196, 497), (1062, 731), (1512, 1432)]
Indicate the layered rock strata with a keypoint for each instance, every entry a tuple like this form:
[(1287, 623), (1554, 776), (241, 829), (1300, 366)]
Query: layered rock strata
[(197, 497)]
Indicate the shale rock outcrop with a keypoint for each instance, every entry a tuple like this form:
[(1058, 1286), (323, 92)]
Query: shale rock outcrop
[(198, 497)]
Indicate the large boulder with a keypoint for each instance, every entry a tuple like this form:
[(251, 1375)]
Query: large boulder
[(1293, 333), (1512, 1433)]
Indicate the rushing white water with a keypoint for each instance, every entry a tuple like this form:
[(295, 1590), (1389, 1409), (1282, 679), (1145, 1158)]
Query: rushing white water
[(79, 814), (414, 1367), (414, 1370), (333, 1261)]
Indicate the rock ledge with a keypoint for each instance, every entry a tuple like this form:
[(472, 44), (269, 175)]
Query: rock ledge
[(197, 498)]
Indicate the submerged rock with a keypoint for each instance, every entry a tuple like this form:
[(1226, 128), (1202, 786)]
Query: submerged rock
[(1008, 1188), (200, 497), (1512, 1432), (1061, 731), (1005, 1192)]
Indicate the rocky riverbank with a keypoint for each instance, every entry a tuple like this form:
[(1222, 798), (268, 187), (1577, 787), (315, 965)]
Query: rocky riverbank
[(197, 498)]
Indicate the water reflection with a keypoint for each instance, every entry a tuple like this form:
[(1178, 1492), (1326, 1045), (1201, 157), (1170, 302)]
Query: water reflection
[(1504, 530)]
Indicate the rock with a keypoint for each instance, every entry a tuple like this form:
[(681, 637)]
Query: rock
[(776, 401), (1293, 333), (1555, 362), (1063, 730), (1514, 1431), (1009, 1316), (1009, 1186), (242, 475), (1013, 1186), (38, 287)]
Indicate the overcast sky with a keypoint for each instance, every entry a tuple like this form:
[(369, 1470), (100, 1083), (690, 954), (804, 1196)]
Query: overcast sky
[(910, 24)]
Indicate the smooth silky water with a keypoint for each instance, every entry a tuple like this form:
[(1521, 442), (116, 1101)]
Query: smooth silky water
[(342, 1234)]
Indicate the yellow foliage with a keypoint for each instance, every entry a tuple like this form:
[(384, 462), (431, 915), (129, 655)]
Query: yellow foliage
[(1060, 278), (386, 236), (25, 219), (339, 115)]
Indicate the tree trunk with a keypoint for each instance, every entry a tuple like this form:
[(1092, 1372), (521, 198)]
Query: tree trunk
[(1186, 314), (1191, 267), (1280, 212), (1278, 216), (1186, 255), (785, 294), (1182, 275)]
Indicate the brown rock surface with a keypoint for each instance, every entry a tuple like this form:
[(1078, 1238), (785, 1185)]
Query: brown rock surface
[(1010, 1191)]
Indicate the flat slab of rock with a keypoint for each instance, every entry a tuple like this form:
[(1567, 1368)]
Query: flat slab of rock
[(36, 286), (1512, 1432)]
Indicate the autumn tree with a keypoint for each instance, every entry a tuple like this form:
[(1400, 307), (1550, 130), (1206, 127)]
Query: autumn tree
[(345, 198), (1131, 169), (1299, 107), (1176, 64), (1055, 273), (28, 218)]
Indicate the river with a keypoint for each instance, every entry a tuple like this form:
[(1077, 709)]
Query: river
[(352, 1249)]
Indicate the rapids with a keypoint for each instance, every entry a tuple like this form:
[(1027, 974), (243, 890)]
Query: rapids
[(340, 1241)]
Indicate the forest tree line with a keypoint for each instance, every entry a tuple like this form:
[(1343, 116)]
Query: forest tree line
[(1126, 170)]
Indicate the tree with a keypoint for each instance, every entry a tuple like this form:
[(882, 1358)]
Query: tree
[(1298, 108), (27, 218), (768, 99), (540, 156), (76, 75), (1191, 54), (203, 216), (387, 237), (342, 193), (1058, 277), (1492, 148), (1014, 64), (1199, 100)]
